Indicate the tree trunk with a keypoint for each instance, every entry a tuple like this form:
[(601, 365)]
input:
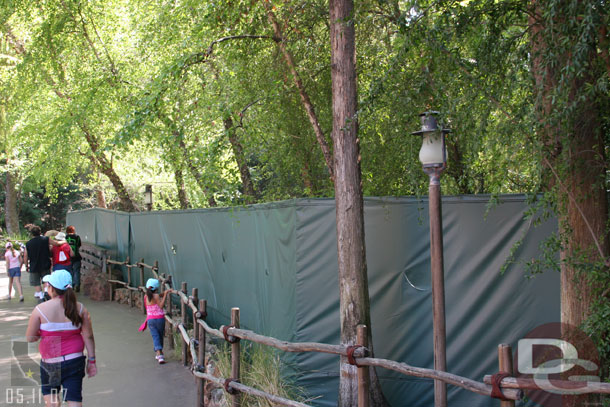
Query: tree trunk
[(100, 198), (182, 197), (11, 214), (244, 171), (105, 167), (309, 108), (575, 163), (353, 280), (194, 171)]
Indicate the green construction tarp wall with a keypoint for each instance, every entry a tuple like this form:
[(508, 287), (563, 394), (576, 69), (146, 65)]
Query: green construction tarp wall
[(278, 263)]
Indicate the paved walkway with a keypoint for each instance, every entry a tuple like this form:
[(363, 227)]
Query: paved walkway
[(128, 374)]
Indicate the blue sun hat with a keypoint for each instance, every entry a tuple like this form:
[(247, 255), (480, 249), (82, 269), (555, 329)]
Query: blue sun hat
[(60, 279), (152, 283)]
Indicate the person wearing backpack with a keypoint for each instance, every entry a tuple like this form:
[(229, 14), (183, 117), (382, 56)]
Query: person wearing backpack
[(62, 253), (74, 241)]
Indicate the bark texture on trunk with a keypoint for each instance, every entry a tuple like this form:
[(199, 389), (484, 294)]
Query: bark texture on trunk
[(575, 164), (182, 197), (238, 152), (353, 280), (575, 161), (106, 168), (309, 108), (11, 214), (196, 174), (100, 198)]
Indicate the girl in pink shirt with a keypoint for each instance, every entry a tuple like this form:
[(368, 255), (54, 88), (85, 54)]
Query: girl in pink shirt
[(13, 261), (155, 316)]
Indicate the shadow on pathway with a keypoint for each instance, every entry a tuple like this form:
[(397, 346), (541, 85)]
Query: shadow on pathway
[(128, 374)]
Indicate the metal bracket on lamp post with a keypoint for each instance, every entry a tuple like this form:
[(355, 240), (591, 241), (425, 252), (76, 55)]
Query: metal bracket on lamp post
[(434, 172)]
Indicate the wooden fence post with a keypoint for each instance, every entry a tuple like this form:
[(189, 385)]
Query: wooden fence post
[(183, 313), (203, 311), (170, 330), (143, 284), (105, 267), (195, 299), (505, 364), (235, 356), (129, 292), (363, 371)]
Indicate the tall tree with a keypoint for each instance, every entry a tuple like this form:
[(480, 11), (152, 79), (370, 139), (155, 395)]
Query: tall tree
[(353, 279), (8, 61), (569, 50), (57, 72)]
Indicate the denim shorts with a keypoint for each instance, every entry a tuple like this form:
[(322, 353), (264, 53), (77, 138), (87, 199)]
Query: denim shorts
[(67, 376), (157, 330), (63, 267), (14, 272)]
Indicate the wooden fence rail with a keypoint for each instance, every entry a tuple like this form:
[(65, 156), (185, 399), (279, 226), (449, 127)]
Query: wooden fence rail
[(93, 257), (511, 388)]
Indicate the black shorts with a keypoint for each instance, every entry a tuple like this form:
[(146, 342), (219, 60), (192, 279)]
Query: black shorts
[(66, 377)]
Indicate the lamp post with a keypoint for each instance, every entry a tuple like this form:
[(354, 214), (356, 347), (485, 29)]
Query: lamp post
[(433, 156), (148, 197)]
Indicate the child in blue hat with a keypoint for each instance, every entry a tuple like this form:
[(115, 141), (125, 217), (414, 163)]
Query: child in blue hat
[(155, 316)]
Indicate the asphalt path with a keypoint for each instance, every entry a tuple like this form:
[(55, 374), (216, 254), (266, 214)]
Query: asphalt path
[(128, 374)]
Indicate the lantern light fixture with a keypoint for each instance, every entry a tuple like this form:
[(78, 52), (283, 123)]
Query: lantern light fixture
[(433, 152)]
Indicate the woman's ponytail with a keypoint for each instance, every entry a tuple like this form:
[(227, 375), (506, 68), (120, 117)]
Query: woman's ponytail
[(70, 306)]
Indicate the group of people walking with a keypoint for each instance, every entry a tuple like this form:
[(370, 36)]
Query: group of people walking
[(41, 255)]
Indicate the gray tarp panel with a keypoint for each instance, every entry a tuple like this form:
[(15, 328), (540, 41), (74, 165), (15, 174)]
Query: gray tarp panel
[(278, 263), (484, 308), (249, 252)]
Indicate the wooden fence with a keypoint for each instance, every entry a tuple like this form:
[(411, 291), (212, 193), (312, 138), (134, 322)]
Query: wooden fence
[(502, 385), (93, 258)]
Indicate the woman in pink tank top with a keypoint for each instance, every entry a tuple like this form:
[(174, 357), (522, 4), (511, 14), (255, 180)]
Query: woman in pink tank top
[(63, 326)]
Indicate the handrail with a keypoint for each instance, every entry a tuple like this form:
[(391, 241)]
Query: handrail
[(510, 387), (293, 346)]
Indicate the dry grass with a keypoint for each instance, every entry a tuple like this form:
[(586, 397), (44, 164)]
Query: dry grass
[(260, 368)]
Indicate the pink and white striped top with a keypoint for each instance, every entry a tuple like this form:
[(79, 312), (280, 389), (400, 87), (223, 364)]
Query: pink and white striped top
[(59, 338)]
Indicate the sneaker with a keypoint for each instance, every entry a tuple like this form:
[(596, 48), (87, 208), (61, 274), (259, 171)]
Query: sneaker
[(38, 294), (21, 298), (161, 359)]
